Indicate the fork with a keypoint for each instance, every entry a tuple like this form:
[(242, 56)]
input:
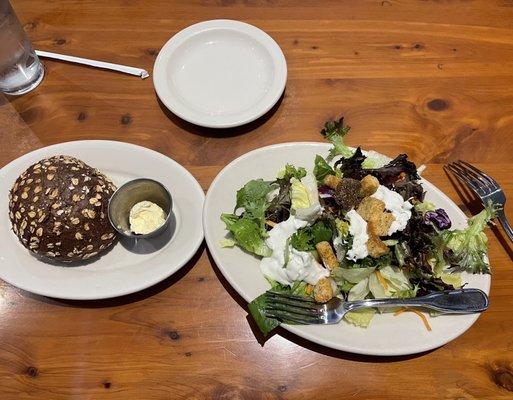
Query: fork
[(484, 186), (301, 310)]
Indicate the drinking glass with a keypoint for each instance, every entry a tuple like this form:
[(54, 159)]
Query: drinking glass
[(20, 68)]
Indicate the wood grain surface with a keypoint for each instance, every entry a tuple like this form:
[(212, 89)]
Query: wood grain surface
[(433, 79)]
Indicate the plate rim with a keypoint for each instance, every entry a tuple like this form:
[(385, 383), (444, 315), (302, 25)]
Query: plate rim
[(297, 330), (275, 52), (198, 240)]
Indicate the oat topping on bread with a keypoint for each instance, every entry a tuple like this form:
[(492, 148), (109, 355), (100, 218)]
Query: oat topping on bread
[(58, 209)]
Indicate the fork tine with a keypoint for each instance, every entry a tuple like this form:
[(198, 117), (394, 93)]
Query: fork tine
[(464, 178), (492, 182), (290, 320), (289, 296), (288, 317), (292, 309), (471, 175), (306, 304)]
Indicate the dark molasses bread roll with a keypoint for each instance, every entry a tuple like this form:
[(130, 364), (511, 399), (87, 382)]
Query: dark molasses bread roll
[(58, 209)]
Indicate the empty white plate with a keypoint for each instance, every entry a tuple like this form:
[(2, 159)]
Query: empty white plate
[(220, 73)]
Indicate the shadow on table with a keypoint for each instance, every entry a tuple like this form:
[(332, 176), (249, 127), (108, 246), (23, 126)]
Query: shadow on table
[(220, 132), (129, 298), (300, 341)]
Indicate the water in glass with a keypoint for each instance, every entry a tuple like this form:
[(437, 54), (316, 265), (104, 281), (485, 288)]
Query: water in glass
[(20, 68)]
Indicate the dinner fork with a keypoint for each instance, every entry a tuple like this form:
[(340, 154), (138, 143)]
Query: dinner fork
[(301, 310), (484, 186)]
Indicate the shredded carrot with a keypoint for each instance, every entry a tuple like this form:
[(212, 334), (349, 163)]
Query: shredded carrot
[(382, 280), (272, 224), (421, 315)]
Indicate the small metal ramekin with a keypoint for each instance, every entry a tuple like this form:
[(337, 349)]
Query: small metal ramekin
[(132, 193)]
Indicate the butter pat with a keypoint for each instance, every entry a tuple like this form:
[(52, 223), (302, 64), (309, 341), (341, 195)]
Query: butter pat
[(146, 217)]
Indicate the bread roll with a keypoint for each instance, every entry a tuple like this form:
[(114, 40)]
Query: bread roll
[(58, 209)]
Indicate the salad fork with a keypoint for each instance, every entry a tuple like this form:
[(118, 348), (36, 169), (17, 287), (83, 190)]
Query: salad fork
[(301, 310), (484, 186)]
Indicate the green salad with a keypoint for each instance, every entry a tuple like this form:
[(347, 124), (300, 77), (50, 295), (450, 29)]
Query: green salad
[(357, 226)]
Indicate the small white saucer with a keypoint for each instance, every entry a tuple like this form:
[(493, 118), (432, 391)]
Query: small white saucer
[(220, 73)]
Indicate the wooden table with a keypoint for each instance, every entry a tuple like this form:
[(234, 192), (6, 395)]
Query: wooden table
[(432, 79)]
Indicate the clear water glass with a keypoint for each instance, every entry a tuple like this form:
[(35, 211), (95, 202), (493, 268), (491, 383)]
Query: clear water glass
[(20, 68)]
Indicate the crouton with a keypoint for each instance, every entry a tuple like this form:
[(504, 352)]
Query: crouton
[(369, 185), (380, 224), (375, 246), (270, 223), (332, 181), (309, 288), (373, 210), (370, 208), (323, 291), (328, 257)]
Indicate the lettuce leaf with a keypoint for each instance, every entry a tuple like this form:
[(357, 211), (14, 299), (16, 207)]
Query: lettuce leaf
[(425, 206), (256, 309), (451, 279), (322, 169), (377, 289), (342, 227), (396, 278), (257, 306), (306, 238), (468, 246), (289, 171), (305, 198), (253, 198), (359, 291), (247, 233), (229, 219), (227, 242), (345, 286), (395, 281), (375, 160), (334, 131), (354, 275), (299, 195), (298, 288), (301, 240), (361, 318), (321, 232), (406, 293), (248, 229)]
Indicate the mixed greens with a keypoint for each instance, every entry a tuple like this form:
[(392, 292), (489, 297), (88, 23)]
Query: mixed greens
[(357, 227)]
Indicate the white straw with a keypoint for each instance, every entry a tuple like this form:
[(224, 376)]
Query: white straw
[(93, 63)]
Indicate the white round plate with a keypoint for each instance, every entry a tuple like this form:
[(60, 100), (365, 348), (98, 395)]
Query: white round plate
[(387, 334), (119, 271), (220, 73)]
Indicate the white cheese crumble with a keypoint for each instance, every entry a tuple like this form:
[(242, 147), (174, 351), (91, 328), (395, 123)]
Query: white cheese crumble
[(394, 203), (358, 229), (300, 266)]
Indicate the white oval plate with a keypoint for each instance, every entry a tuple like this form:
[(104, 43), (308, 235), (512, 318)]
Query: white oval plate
[(119, 271), (220, 73), (387, 334)]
